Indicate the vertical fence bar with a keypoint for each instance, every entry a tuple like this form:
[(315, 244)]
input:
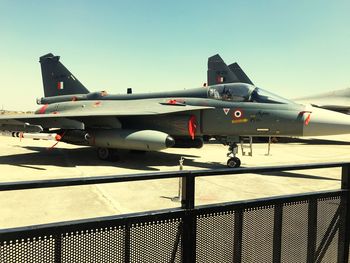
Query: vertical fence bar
[(344, 231), (58, 248), (312, 230), (238, 234), (189, 220), (277, 233), (188, 190), (127, 245)]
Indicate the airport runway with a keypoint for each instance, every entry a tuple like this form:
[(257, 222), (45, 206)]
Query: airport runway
[(33, 160)]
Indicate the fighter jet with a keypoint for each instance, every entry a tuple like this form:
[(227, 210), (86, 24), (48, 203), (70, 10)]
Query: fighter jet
[(70, 113)]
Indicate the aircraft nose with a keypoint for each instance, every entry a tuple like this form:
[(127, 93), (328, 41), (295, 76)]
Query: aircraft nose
[(325, 122)]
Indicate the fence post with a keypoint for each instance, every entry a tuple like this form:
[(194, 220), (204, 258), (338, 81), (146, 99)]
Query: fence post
[(58, 247), (238, 235), (312, 230), (277, 233), (345, 217), (189, 220), (187, 194), (127, 246)]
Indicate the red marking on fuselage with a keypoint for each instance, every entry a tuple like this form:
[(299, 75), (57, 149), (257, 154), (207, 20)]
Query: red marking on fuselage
[(192, 126), (175, 101), (307, 120), (97, 104), (226, 110), (172, 101), (43, 109)]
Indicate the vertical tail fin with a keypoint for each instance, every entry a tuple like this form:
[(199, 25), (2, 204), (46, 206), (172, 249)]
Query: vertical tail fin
[(219, 72), (57, 79), (237, 70)]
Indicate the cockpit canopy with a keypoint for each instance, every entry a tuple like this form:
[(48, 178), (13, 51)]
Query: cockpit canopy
[(239, 92)]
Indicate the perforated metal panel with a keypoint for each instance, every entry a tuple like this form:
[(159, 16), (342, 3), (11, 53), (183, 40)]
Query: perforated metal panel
[(38, 249), (257, 236), (95, 245), (215, 237), (328, 222), (153, 241), (294, 232), (156, 241), (276, 230)]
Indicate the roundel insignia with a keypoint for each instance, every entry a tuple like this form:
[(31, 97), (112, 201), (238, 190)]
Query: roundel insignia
[(237, 114)]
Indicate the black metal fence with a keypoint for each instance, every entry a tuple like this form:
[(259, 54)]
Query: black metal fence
[(310, 227)]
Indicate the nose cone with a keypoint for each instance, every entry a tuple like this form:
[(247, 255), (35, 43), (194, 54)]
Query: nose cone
[(325, 122)]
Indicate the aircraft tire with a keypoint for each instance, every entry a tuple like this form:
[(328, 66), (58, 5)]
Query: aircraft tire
[(107, 154), (234, 162)]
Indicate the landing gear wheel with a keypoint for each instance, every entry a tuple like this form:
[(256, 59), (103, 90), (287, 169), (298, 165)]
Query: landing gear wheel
[(107, 154), (234, 162), (103, 153)]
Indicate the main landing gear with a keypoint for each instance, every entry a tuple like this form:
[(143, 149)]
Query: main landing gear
[(233, 161), (112, 155), (107, 154)]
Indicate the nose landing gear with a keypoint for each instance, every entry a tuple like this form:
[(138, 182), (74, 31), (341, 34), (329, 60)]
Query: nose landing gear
[(233, 161)]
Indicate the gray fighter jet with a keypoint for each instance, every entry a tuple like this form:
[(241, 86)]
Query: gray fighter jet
[(155, 121)]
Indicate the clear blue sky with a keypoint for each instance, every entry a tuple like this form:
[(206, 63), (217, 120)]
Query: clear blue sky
[(293, 48)]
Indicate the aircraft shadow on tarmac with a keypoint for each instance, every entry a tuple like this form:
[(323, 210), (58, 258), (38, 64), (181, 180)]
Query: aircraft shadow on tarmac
[(312, 141), (86, 156)]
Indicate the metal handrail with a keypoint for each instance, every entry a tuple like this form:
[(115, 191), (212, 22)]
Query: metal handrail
[(10, 186), (170, 212)]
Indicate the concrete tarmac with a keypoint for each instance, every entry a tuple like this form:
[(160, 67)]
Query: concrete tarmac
[(22, 160)]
